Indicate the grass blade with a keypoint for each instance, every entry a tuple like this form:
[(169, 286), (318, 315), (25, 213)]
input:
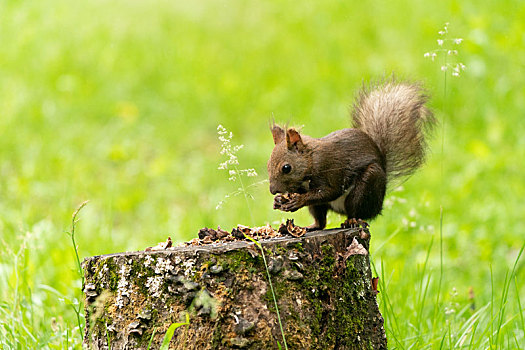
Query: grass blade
[(151, 338), (171, 331), (519, 305)]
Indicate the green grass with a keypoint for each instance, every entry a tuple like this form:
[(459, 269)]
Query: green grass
[(118, 103)]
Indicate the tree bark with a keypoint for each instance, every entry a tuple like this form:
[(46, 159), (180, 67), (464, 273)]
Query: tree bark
[(322, 284)]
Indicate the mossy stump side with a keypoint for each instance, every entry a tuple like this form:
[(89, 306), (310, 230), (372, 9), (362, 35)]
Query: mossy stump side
[(322, 282)]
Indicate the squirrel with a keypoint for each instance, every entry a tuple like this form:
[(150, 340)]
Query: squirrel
[(348, 170)]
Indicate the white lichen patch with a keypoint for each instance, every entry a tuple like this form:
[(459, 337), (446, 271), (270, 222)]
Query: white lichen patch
[(103, 276), (163, 266), (178, 260), (148, 260), (189, 267), (154, 285), (123, 290)]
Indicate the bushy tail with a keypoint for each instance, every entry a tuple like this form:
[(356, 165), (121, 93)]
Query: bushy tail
[(396, 117)]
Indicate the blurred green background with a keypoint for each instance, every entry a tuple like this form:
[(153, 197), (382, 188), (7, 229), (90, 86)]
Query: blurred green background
[(118, 102)]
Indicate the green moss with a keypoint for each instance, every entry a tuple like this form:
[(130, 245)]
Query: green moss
[(236, 259), (299, 247), (217, 338), (154, 315), (351, 289), (100, 273), (112, 272), (323, 291), (280, 288), (140, 273)]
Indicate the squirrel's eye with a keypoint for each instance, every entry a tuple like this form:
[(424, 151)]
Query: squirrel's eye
[(286, 168)]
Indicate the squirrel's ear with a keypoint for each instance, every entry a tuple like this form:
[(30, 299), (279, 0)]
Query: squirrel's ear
[(293, 139), (277, 133)]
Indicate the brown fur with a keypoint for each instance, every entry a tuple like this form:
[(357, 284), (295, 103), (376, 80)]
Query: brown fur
[(347, 171)]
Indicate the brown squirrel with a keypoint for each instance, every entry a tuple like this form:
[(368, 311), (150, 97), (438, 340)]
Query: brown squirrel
[(348, 170)]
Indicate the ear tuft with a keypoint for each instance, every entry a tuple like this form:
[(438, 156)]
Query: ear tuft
[(277, 133)]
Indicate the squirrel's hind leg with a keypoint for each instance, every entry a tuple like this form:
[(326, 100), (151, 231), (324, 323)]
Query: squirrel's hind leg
[(366, 199), (319, 214)]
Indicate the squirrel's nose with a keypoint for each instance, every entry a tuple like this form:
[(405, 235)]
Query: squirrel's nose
[(273, 189)]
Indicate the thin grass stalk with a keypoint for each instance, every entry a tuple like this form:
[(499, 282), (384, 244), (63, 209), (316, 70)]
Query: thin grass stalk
[(437, 305), (505, 293), (74, 220), (245, 194), (519, 306), (391, 316), (259, 245), (421, 301)]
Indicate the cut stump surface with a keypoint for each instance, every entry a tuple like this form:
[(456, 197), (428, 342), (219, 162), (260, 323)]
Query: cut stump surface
[(322, 283)]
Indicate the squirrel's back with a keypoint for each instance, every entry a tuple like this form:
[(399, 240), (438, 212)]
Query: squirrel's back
[(396, 118)]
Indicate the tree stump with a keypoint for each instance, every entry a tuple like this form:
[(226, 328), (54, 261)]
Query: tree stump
[(322, 282)]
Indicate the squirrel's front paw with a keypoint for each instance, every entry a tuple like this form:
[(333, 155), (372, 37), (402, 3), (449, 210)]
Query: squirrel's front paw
[(288, 202)]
